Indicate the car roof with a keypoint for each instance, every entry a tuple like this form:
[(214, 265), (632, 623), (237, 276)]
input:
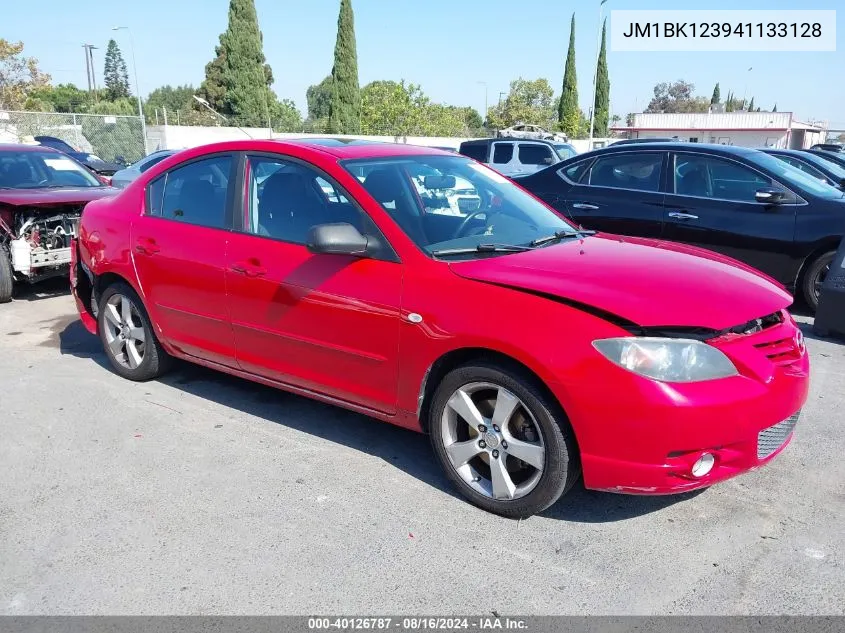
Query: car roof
[(361, 148), (23, 147), (487, 141), (710, 148)]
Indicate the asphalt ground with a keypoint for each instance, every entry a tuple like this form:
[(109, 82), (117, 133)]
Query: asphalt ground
[(201, 493)]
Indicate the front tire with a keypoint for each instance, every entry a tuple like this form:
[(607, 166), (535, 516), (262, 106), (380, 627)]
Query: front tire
[(814, 278), (503, 443), (6, 277), (127, 335)]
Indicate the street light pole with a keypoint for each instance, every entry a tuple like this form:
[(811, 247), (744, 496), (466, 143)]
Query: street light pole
[(137, 87), (596, 75)]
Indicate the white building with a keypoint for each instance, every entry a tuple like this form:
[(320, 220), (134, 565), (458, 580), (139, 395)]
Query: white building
[(745, 129)]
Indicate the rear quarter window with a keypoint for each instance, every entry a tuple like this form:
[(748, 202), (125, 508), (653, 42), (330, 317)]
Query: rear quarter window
[(476, 152)]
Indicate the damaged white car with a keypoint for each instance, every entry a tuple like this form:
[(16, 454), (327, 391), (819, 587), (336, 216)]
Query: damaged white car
[(42, 194)]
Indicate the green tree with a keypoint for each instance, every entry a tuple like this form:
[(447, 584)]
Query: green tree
[(601, 107), (529, 101), (751, 105), (19, 76), (64, 97), (173, 99), (115, 75), (401, 109), (285, 116), (238, 80), (717, 95), (569, 114), (775, 109), (345, 105), (319, 98), (677, 97)]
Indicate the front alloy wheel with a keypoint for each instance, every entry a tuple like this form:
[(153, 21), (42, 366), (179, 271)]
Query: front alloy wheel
[(501, 440), (493, 441)]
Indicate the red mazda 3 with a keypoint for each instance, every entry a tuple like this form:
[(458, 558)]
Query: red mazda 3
[(421, 288)]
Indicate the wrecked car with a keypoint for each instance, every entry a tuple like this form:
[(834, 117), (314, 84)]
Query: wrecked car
[(42, 194)]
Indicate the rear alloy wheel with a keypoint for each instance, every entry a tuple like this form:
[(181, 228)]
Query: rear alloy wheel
[(505, 447), (814, 279), (127, 335)]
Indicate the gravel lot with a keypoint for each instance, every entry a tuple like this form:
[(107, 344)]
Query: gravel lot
[(205, 494)]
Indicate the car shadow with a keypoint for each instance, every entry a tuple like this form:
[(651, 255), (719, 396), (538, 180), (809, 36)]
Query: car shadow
[(55, 287), (403, 449)]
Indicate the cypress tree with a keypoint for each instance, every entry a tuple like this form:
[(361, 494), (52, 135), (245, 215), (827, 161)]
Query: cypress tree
[(345, 104), (751, 105), (237, 81), (601, 107), (115, 75), (775, 109), (569, 114), (717, 95)]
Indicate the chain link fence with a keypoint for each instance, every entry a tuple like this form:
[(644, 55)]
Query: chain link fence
[(114, 139)]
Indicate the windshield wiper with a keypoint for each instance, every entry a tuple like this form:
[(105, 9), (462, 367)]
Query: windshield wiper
[(483, 248), (559, 235)]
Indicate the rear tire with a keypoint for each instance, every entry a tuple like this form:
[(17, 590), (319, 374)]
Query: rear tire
[(814, 277), (502, 442), (6, 277), (127, 335)]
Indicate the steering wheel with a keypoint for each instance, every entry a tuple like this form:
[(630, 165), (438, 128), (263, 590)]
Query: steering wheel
[(463, 225)]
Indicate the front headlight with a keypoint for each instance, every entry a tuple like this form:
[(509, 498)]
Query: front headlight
[(667, 359)]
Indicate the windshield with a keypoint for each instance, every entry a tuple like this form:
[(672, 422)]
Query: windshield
[(793, 176), (43, 170), (835, 169), (452, 202), (565, 150)]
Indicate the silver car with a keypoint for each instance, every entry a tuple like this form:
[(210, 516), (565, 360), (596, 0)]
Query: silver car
[(531, 131), (123, 177)]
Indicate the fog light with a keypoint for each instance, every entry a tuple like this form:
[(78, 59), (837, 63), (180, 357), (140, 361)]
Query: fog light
[(703, 465)]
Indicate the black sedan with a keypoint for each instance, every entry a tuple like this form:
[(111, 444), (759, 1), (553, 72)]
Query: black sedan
[(737, 201), (817, 166)]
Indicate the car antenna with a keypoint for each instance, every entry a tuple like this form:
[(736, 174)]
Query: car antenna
[(205, 104)]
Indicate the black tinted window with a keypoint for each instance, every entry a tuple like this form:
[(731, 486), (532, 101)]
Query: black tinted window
[(576, 171), (627, 171), (534, 154), (196, 193), (476, 152), (502, 153), (711, 177)]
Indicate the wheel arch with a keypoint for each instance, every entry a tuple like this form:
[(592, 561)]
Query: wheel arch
[(825, 246), (465, 355)]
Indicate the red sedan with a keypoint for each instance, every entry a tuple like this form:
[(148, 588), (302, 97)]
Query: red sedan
[(421, 288)]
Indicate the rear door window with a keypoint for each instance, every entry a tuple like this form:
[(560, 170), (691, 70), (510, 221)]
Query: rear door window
[(502, 153), (194, 194), (476, 152), (629, 170)]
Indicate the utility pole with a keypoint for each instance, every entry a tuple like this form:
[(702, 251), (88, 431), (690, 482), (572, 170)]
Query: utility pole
[(89, 68)]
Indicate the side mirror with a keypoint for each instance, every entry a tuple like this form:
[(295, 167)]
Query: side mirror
[(337, 239), (770, 195)]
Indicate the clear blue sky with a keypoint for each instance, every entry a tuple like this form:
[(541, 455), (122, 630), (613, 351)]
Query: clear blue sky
[(447, 46)]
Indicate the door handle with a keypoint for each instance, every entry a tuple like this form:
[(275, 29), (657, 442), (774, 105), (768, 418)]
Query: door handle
[(147, 246), (249, 269), (584, 205), (678, 215)]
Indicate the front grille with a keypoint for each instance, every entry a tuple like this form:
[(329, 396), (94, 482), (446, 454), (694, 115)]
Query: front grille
[(772, 438)]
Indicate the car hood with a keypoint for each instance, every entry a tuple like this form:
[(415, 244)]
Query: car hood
[(53, 197), (646, 282)]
